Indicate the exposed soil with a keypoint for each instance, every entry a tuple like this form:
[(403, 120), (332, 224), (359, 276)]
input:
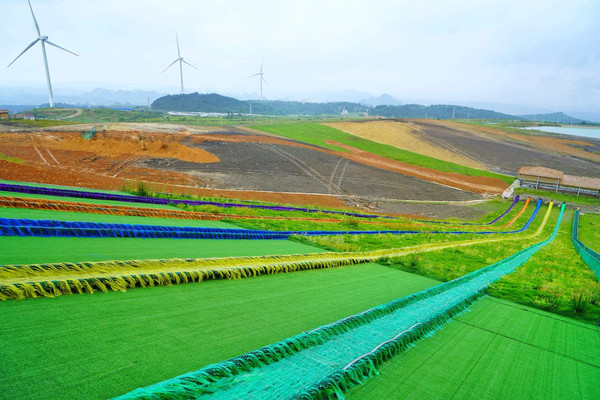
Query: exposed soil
[(476, 184), (407, 136), (275, 167), (244, 164), (507, 153)]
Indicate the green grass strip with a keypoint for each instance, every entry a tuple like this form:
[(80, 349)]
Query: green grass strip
[(316, 134), (54, 279), (591, 258), (29, 213)]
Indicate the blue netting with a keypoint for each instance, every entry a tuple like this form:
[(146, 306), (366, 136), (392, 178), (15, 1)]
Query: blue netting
[(31, 227)]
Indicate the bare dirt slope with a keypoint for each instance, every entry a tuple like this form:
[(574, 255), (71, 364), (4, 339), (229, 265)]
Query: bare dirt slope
[(239, 163), (230, 163), (506, 152), (407, 136)]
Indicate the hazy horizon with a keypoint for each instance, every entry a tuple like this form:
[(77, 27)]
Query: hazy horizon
[(541, 54)]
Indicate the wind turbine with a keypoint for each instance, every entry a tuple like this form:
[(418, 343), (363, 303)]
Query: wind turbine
[(261, 79), (181, 61), (43, 40)]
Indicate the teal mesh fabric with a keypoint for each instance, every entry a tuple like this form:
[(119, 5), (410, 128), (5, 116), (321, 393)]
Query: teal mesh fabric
[(591, 258), (326, 361)]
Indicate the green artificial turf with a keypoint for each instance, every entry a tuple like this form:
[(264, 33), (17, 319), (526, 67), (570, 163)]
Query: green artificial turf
[(89, 201), (500, 350), (107, 218), (106, 344), (47, 185), (37, 250)]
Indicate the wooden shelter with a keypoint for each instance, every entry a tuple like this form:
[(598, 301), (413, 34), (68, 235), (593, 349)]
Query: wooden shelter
[(551, 179), (540, 175), (3, 113)]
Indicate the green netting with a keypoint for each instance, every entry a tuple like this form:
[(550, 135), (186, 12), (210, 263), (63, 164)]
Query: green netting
[(328, 360), (591, 258)]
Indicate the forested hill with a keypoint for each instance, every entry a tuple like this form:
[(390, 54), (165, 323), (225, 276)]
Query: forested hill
[(441, 111), (215, 103)]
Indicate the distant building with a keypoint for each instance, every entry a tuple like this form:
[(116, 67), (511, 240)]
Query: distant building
[(30, 117), (550, 179), (3, 113)]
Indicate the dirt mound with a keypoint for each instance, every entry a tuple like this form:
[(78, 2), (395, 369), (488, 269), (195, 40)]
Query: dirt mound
[(113, 144)]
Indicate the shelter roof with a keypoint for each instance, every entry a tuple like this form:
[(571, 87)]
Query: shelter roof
[(542, 172), (581, 181)]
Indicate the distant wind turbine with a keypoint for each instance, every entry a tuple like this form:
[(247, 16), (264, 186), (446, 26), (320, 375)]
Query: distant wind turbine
[(181, 61), (43, 40), (261, 79)]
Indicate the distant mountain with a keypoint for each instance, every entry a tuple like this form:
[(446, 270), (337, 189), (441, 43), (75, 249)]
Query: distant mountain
[(383, 100), (108, 97), (216, 103), (96, 97), (15, 108), (557, 117), (211, 103), (440, 111), (586, 116)]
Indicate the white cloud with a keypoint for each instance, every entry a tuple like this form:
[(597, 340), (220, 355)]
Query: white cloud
[(539, 52)]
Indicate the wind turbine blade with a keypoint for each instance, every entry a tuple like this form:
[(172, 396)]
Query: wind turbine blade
[(177, 40), (253, 75), (37, 27), (261, 64), (62, 48), (170, 65), (27, 48), (263, 79), (188, 63)]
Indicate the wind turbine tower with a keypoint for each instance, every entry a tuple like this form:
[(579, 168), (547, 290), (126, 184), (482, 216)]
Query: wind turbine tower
[(181, 61), (261, 79), (43, 40)]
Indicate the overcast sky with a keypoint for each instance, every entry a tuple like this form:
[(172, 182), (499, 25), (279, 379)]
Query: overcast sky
[(541, 53)]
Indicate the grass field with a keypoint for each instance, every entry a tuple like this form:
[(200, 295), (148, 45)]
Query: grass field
[(499, 350), (46, 185), (316, 134), (10, 159), (107, 218), (88, 201), (567, 198), (589, 231), (120, 341), (555, 279), (35, 250), (106, 344)]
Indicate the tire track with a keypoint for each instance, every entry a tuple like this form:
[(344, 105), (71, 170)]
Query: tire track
[(333, 173), (311, 172)]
